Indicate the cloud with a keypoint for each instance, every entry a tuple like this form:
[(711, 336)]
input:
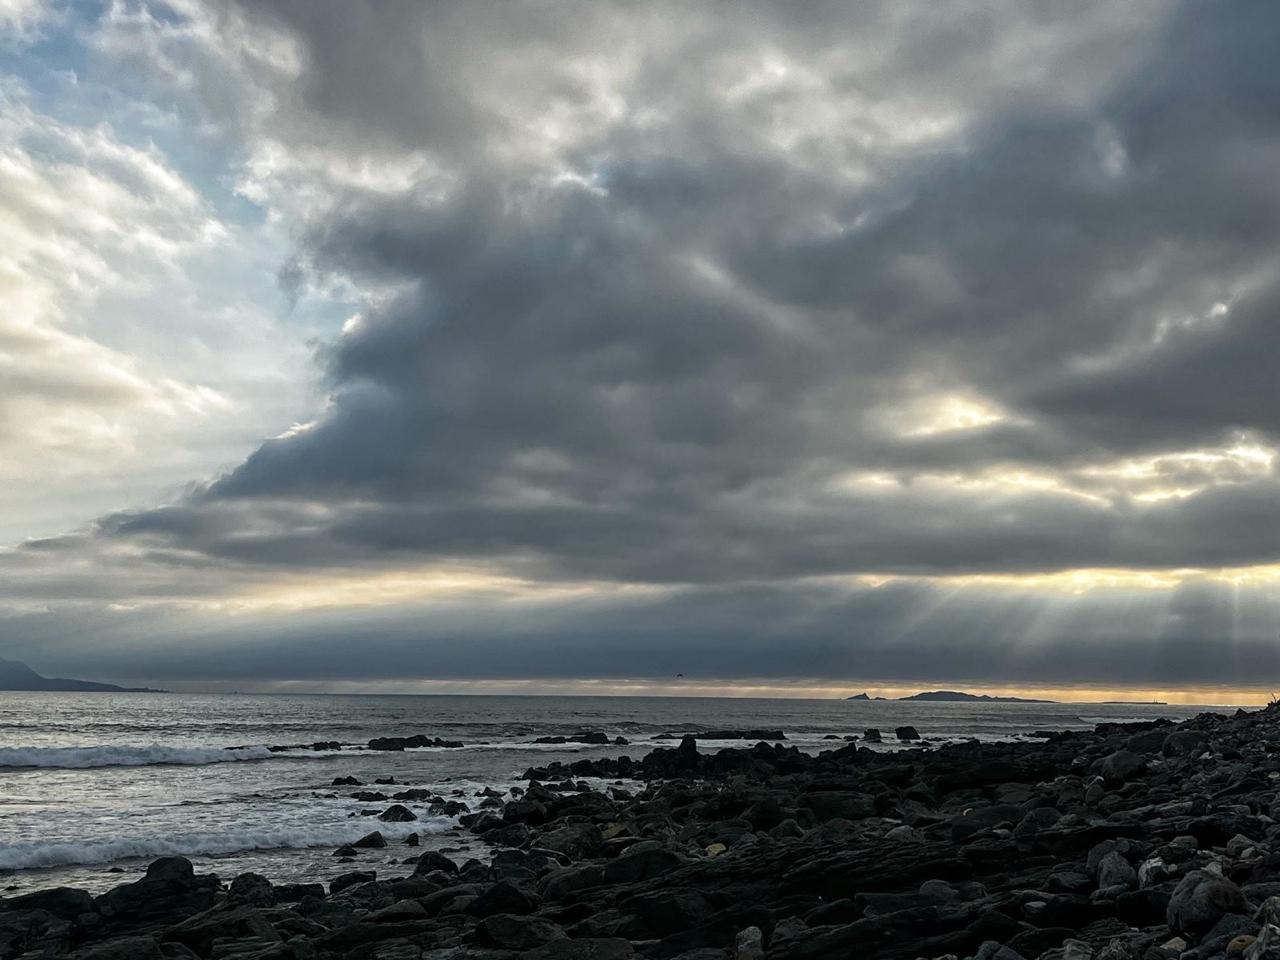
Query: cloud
[(716, 306), (82, 213)]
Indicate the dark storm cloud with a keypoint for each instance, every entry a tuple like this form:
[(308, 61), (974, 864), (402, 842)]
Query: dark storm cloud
[(657, 375), (681, 289), (834, 633)]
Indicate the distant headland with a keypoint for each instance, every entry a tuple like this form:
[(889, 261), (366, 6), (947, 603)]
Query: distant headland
[(956, 696), (18, 676)]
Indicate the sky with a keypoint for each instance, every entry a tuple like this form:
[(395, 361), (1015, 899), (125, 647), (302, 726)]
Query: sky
[(553, 346)]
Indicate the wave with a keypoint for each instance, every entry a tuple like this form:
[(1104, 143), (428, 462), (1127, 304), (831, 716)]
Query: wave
[(126, 756), (26, 856)]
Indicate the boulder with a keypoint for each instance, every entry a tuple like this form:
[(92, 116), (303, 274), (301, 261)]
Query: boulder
[(1183, 743), (1200, 900), (66, 903), (253, 890), (432, 861), (1120, 766), (397, 813), (350, 880), (170, 890), (516, 932), (502, 897), (225, 921)]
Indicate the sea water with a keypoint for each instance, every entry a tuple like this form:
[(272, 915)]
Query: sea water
[(94, 785)]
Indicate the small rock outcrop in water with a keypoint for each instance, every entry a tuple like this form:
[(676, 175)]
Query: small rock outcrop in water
[(411, 743), (1150, 841)]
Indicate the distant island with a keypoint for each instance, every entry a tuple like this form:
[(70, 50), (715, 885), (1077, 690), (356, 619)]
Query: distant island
[(956, 696), (18, 676)]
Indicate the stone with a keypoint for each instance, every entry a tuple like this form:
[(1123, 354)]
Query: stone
[(123, 948), (1183, 743), (1200, 900), (350, 880), (512, 932), (502, 897), (397, 813), (1120, 766), (225, 921), (432, 861), (587, 948), (907, 733), (169, 890), (1240, 846), (643, 861), (66, 903), (371, 841), (252, 889), (1266, 946), (749, 944), (1115, 875), (574, 840)]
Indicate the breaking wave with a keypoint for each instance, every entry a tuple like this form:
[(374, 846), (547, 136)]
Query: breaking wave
[(126, 756)]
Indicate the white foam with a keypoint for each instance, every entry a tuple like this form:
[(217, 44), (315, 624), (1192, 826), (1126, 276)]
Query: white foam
[(125, 756), (24, 856)]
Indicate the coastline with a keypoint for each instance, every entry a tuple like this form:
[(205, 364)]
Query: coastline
[(1131, 840)]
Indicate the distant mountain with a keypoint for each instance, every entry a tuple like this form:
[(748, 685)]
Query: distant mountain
[(952, 696), (955, 696), (18, 676)]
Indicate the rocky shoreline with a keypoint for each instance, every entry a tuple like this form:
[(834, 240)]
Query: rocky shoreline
[(1151, 840)]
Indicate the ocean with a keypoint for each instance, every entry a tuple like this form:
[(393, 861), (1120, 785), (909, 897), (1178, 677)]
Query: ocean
[(95, 785)]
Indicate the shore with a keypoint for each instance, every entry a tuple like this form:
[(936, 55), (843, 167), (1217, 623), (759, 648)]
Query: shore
[(1141, 840)]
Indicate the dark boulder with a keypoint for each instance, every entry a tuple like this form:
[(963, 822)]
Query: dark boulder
[(397, 813), (350, 880), (253, 890), (1200, 900), (502, 897), (66, 903), (516, 932)]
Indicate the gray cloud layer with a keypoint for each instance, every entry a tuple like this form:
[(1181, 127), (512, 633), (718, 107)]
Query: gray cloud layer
[(686, 295)]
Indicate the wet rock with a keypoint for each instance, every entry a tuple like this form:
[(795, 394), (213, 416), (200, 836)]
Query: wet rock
[(907, 733), (397, 813), (371, 841), (411, 743)]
